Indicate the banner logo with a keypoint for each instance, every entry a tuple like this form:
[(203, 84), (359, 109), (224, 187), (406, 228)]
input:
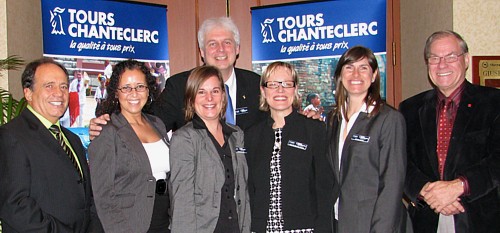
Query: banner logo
[(56, 21), (97, 25), (267, 31)]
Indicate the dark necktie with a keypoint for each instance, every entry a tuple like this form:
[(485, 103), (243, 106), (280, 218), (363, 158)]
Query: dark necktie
[(78, 86), (55, 130), (445, 126), (229, 108)]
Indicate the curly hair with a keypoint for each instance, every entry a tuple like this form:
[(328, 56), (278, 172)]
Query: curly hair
[(110, 104)]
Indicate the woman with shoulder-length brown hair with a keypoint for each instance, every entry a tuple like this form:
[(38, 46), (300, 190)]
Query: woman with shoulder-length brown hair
[(367, 148), (209, 170)]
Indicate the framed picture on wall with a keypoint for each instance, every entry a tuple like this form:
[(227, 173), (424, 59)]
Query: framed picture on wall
[(486, 71)]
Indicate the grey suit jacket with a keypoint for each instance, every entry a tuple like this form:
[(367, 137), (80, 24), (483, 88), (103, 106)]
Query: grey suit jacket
[(124, 186), (371, 178), (197, 176)]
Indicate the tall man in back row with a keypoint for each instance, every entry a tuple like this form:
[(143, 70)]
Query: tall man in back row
[(219, 44), (453, 145), (44, 177)]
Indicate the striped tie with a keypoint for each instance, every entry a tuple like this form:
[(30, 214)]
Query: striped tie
[(55, 130)]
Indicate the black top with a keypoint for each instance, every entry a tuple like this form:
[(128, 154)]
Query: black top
[(306, 177), (228, 217)]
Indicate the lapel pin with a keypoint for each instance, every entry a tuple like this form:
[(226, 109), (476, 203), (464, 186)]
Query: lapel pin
[(244, 97), (469, 105)]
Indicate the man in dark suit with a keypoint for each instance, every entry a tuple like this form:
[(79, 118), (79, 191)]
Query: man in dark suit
[(45, 184), (453, 145)]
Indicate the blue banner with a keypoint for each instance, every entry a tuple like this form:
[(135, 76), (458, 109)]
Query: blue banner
[(317, 29), (104, 29), (313, 35)]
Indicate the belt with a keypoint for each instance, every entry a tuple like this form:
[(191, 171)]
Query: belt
[(161, 187)]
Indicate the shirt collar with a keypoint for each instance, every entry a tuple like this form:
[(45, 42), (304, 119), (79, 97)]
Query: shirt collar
[(362, 109), (455, 95), (198, 123), (42, 119), (231, 81)]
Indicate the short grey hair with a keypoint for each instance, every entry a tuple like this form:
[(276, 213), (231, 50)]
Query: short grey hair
[(211, 23), (442, 34)]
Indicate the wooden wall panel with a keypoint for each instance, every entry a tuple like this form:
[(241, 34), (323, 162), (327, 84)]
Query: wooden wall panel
[(182, 43), (240, 13)]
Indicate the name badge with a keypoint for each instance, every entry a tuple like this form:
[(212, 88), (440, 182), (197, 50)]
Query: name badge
[(241, 111), (298, 145), (241, 150), (360, 138)]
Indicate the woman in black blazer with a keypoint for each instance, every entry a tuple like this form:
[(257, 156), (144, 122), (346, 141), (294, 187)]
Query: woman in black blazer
[(130, 158), (290, 181)]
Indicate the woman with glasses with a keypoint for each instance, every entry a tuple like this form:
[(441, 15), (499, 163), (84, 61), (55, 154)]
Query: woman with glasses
[(209, 170), (367, 141), (130, 158), (290, 181)]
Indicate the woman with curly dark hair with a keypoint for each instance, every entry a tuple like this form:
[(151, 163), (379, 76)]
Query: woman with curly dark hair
[(130, 159)]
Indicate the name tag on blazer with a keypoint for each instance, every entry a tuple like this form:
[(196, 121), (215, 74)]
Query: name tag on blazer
[(298, 145), (241, 111), (241, 150), (360, 138)]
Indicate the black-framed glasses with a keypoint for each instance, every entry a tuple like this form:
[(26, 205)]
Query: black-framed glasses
[(276, 84), (138, 88), (434, 60)]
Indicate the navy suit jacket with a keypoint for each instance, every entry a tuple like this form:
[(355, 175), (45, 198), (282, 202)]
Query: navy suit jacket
[(169, 107), (41, 191), (474, 152)]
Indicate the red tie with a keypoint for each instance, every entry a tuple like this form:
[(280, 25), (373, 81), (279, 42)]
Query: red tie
[(445, 126)]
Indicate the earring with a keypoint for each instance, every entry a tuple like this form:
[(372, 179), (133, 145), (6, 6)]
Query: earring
[(150, 99)]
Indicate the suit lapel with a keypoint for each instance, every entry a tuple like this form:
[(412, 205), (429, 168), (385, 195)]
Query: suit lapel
[(333, 139), (231, 142), (359, 127), (46, 140), (127, 134), (241, 92), (209, 148), (427, 116), (463, 118)]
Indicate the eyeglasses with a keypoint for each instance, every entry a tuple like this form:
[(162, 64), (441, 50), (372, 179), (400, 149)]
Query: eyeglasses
[(128, 89), (276, 84), (434, 60)]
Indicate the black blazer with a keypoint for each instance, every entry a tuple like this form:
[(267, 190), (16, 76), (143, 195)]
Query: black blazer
[(169, 106), (474, 152), (41, 191), (306, 177)]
